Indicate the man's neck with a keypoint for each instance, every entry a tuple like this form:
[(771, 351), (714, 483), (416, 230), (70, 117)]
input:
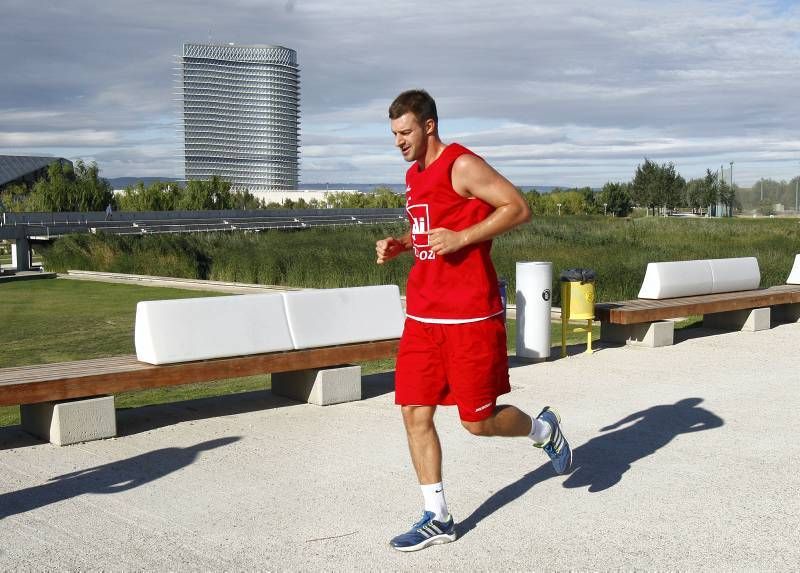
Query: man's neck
[(435, 148)]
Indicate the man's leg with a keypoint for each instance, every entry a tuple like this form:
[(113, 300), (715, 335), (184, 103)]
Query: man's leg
[(478, 375), (436, 525), (544, 430), (505, 421), (423, 443)]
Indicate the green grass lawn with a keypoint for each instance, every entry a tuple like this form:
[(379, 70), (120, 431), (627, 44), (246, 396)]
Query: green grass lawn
[(59, 320)]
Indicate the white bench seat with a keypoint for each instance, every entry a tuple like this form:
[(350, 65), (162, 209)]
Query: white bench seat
[(184, 330), (699, 277)]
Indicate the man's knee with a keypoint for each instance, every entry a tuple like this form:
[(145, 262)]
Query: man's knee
[(418, 418), (479, 428)]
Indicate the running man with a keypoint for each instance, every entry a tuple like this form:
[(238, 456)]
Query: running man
[(453, 347)]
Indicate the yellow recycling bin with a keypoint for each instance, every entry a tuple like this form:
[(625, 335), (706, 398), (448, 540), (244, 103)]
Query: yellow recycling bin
[(577, 303)]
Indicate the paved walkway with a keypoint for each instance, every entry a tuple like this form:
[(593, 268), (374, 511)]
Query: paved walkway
[(686, 459)]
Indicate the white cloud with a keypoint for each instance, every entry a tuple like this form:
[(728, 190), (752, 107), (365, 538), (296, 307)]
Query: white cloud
[(74, 138), (591, 88)]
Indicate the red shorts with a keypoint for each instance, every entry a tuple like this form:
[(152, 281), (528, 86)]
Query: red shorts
[(445, 364)]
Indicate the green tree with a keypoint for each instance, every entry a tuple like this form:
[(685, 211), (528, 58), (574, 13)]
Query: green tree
[(657, 186), (158, 196), (727, 196), (571, 202), (246, 200), (534, 200), (617, 199), (14, 198), (206, 195), (710, 188), (385, 198), (91, 192), (65, 188), (693, 192)]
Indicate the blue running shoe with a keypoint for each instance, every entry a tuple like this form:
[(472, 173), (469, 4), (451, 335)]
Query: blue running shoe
[(427, 531), (556, 447)]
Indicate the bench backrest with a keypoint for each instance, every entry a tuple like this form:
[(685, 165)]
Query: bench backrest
[(794, 276), (707, 276), (169, 331)]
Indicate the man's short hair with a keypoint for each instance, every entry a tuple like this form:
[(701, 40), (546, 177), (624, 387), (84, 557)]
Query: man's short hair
[(418, 102)]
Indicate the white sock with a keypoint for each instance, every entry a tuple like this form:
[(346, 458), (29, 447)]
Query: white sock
[(434, 500), (540, 431)]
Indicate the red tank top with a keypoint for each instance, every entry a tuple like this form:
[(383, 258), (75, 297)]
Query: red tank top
[(461, 285)]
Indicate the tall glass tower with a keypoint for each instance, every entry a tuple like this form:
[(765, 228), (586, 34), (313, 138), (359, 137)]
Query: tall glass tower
[(241, 109)]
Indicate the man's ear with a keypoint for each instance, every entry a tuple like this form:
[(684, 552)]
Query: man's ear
[(430, 127)]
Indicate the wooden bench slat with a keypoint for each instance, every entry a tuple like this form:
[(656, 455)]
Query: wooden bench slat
[(42, 372), (66, 380), (644, 310)]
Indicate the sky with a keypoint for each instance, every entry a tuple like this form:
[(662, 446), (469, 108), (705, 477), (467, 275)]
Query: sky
[(567, 93)]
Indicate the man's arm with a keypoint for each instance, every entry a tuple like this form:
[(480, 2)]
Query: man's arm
[(390, 247), (473, 177)]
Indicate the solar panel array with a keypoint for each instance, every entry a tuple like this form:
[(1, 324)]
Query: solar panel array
[(52, 225)]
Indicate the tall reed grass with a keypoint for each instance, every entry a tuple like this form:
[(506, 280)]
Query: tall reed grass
[(617, 249)]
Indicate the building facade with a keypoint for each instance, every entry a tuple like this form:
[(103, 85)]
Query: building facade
[(240, 110)]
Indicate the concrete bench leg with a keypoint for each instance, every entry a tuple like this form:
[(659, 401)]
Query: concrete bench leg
[(71, 421), (786, 313), (650, 334), (750, 320), (320, 386)]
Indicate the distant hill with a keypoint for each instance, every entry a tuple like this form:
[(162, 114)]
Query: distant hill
[(123, 182)]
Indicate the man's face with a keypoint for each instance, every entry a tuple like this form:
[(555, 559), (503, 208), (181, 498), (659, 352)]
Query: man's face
[(410, 136)]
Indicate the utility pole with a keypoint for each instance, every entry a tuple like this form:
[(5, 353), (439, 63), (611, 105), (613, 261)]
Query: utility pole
[(730, 204), (796, 188)]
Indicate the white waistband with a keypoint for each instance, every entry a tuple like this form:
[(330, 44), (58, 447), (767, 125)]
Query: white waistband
[(451, 320)]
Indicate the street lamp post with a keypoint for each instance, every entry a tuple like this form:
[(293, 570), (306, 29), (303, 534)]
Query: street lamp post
[(730, 204), (796, 186)]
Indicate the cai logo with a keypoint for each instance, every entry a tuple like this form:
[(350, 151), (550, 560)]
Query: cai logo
[(546, 294), (420, 224)]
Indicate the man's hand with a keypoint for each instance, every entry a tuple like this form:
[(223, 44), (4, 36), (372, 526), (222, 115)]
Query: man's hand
[(389, 248), (444, 241)]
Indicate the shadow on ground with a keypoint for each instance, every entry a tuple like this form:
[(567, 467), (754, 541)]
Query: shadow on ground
[(136, 420), (131, 421), (601, 462), (574, 349), (113, 477), (696, 330), (374, 385), (15, 437)]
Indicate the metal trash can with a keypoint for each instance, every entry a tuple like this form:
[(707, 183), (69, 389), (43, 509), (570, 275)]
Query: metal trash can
[(577, 303), (534, 281)]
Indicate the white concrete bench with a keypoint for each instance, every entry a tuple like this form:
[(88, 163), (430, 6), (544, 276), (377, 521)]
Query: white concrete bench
[(725, 291), (308, 340)]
